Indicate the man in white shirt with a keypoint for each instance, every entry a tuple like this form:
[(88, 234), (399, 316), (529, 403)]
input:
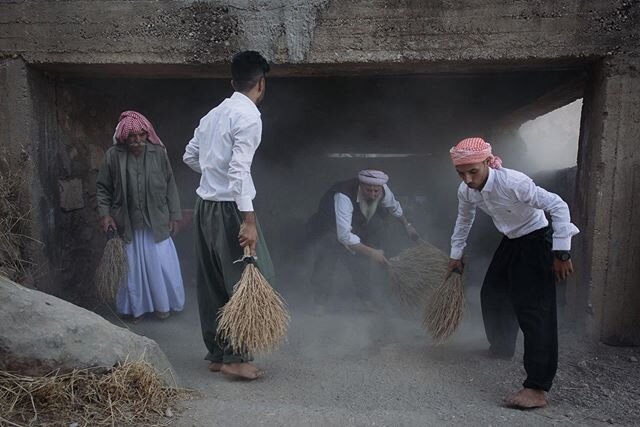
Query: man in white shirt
[(356, 212), (519, 287), (222, 150)]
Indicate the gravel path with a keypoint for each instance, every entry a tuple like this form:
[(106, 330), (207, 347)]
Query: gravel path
[(362, 369)]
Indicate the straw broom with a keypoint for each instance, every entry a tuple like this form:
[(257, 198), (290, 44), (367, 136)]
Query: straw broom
[(415, 270), (112, 268), (444, 308), (255, 319)]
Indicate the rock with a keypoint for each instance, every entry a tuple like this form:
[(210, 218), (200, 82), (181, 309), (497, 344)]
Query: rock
[(168, 413), (610, 420), (73, 425), (633, 359), (41, 333)]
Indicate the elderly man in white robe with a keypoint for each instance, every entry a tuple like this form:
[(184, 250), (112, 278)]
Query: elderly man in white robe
[(138, 198), (351, 225)]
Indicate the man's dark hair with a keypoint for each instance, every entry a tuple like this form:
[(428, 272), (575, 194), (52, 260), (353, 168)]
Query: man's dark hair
[(247, 68)]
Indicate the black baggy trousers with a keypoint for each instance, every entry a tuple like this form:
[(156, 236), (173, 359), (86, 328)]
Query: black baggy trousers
[(519, 291)]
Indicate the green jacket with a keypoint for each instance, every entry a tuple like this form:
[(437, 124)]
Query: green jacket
[(163, 202)]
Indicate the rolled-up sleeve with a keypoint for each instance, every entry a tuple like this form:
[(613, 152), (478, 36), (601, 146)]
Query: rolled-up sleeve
[(344, 214), (191, 155), (390, 202), (246, 139), (464, 221), (563, 230)]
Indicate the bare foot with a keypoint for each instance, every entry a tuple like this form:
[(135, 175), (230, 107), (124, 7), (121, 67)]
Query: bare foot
[(241, 370), (527, 398), (163, 315), (215, 366)]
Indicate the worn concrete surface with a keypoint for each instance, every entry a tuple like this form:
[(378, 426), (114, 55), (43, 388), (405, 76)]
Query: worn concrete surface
[(364, 369), (315, 31), (608, 175), (28, 145)]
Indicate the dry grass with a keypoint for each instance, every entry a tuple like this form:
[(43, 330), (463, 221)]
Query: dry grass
[(129, 394), (255, 319), (111, 271), (444, 308), (416, 270), (14, 218)]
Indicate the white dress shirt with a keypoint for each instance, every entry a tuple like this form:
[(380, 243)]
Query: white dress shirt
[(344, 214), (222, 150), (517, 208)]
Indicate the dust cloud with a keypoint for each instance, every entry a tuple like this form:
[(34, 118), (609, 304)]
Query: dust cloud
[(311, 130)]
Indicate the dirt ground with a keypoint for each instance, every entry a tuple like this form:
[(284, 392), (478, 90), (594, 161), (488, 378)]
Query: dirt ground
[(379, 369)]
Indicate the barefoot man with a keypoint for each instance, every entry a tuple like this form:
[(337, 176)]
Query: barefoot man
[(519, 287), (222, 150)]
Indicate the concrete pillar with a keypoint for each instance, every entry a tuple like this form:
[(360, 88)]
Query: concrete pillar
[(608, 192), (16, 166), (28, 139)]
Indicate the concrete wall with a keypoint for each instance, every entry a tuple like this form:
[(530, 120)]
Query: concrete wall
[(28, 135), (609, 185)]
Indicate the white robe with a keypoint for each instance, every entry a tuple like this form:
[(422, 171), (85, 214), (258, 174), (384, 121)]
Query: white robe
[(154, 280)]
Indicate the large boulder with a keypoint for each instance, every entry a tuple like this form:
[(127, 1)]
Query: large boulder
[(40, 333)]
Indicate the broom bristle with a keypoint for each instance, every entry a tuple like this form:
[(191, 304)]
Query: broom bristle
[(255, 319), (111, 270), (415, 270), (444, 308)]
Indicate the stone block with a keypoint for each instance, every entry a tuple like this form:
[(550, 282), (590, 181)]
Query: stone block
[(71, 195)]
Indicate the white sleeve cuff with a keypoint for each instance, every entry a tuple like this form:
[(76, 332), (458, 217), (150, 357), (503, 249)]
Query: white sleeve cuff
[(456, 253), (397, 211), (244, 204), (562, 244), (349, 240)]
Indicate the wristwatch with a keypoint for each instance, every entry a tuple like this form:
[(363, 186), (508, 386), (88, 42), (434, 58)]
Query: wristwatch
[(562, 255)]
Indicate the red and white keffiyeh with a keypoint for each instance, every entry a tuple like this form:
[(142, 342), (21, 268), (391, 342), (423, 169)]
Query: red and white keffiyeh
[(474, 150), (132, 121)]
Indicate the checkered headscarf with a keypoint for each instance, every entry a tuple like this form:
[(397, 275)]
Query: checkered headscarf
[(474, 150), (132, 121)]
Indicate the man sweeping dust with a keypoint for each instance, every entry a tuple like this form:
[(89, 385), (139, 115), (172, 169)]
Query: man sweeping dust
[(138, 197), (351, 225), (519, 287), (222, 150)]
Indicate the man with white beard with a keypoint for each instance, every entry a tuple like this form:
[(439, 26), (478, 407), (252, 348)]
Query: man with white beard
[(355, 213)]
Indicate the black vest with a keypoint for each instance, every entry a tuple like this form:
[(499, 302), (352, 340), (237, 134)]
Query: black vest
[(324, 220)]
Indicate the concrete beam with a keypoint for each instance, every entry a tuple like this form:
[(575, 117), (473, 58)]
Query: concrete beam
[(608, 196), (316, 31), (557, 97)]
